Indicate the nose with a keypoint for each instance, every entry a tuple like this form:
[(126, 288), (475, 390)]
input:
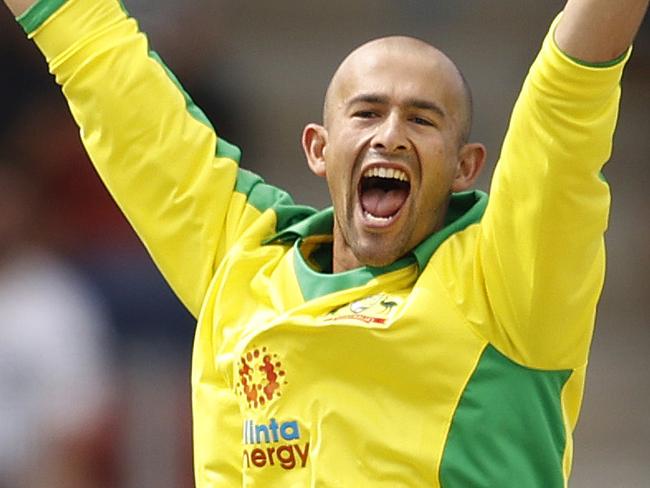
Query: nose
[(390, 135)]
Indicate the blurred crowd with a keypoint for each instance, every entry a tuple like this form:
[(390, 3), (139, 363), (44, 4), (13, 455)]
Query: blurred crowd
[(95, 349)]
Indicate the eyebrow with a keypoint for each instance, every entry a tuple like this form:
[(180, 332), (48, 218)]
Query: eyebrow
[(410, 102)]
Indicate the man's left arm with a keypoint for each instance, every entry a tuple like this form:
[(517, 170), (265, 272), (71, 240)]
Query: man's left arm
[(540, 259)]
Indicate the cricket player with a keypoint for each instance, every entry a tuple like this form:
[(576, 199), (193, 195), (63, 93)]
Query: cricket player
[(418, 333)]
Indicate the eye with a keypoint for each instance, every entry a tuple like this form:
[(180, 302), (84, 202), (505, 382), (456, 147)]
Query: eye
[(365, 114), (422, 121)]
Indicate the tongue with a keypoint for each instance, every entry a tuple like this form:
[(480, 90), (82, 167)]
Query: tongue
[(381, 203)]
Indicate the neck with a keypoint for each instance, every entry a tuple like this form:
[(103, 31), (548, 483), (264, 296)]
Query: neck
[(343, 259)]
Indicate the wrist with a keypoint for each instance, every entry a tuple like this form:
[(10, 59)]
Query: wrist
[(19, 7)]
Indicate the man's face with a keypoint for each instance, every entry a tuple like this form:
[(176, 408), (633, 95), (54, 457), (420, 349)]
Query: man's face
[(392, 150)]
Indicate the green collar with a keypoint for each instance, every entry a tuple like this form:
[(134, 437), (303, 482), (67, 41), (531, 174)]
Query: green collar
[(464, 209)]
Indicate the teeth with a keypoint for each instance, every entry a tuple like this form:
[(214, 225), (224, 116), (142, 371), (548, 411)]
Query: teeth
[(370, 216), (382, 172)]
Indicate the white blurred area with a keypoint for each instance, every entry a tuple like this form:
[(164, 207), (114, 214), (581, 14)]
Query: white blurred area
[(55, 370), (259, 70)]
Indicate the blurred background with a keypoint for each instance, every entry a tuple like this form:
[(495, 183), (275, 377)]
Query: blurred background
[(95, 349)]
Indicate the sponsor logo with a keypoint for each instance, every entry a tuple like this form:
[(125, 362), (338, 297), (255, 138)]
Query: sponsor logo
[(274, 444), (375, 309), (261, 377)]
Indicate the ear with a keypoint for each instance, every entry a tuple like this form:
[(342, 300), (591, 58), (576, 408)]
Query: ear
[(471, 159), (314, 140)]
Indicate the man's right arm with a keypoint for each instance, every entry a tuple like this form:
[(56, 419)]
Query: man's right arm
[(177, 182)]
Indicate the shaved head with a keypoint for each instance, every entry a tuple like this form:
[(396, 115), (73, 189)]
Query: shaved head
[(393, 148), (405, 46)]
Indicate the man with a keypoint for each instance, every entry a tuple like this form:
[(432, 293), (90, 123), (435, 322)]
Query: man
[(415, 335)]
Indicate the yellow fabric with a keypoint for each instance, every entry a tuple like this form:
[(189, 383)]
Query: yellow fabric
[(138, 131), (541, 251), (360, 386)]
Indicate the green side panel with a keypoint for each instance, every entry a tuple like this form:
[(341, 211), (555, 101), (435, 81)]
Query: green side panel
[(508, 430), (224, 148), (263, 196), (32, 18)]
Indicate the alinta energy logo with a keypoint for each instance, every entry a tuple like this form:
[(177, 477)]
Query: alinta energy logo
[(276, 443), (260, 377), (272, 444)]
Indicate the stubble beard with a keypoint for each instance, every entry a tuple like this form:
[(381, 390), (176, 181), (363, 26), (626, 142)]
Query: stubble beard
[(374, 249)]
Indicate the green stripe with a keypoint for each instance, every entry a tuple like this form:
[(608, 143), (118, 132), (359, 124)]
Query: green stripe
[(259, 194), (602, 64), (508, 430), (227, 150), (263, 196), (224, 148), (39, 12), (32, 18)]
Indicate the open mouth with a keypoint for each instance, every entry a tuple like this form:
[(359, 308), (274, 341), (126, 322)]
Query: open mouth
[(382, 193)]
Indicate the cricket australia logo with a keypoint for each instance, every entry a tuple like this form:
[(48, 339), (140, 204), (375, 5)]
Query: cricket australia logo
[(261, 377), (375, 309)]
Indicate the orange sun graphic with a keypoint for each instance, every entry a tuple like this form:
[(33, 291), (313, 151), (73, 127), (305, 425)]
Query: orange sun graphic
[(260, 377)]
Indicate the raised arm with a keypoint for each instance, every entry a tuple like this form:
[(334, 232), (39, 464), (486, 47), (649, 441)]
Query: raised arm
[(541, 258), (598, 31), (148, 142), (176, 181)]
